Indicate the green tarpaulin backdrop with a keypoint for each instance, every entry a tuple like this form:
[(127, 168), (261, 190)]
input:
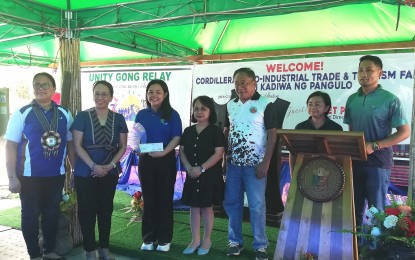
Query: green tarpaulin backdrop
[(177, 30)]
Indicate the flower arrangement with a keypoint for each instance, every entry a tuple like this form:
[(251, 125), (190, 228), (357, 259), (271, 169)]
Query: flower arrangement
[(306, 256), (68, 200), (396, 224), (136, 207)]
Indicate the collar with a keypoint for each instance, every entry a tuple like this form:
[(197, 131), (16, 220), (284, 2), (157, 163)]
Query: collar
[(325, 121), (378, 88), (255, 96), (150, 111), (35, 103)]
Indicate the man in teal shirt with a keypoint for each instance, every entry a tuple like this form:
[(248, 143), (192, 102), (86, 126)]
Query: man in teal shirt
[(374, 111)]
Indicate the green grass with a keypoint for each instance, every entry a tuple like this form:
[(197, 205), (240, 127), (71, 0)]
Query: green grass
[(125, 240), (10, 217)]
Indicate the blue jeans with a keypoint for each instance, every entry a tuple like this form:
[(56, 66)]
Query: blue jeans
[(238, 180), (370, 184), (40, 196)]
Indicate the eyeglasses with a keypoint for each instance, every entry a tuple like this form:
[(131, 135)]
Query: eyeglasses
[(102, 95), (44, 86), (242, 84)]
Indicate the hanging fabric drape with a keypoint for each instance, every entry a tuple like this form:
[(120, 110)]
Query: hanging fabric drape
[(71, 98)]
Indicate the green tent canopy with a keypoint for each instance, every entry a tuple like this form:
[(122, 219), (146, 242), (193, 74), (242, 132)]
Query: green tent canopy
[(187, 31)]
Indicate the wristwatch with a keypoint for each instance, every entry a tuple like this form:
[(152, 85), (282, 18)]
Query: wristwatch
[(202, 169), (375, 146)]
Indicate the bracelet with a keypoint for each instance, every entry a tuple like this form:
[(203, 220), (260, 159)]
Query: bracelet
[(93, 166), (113, 165)]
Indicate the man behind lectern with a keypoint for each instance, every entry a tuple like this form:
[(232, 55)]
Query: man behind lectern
[(374, 111)]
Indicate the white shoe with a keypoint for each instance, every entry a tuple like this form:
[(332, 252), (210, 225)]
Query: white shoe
[(164, 247), (91, 255), (147, 247)]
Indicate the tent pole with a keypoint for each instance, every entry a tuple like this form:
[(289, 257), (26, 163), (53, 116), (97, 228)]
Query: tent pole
[(71, 98), (411, 184)]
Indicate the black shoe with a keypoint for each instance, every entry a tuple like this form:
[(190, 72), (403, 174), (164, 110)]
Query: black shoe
[(261, 254), (52, 256), (234, 249)]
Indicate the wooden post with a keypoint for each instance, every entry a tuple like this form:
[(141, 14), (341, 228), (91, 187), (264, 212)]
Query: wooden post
[(71, 98), (200, 52), (411, 184)]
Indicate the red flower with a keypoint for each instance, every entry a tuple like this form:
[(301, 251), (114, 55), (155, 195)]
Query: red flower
[(136, 207), (307, 256), (137, 203), (411, 228), (137, 195), (392, 211)]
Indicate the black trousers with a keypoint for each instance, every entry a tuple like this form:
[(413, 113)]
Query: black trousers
[(95, 201), (157, 177), (40, 196)]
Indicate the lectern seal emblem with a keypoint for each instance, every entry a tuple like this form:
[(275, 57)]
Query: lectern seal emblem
[(321, 179)]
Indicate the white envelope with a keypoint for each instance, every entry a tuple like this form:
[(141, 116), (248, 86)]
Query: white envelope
[(151, 147)]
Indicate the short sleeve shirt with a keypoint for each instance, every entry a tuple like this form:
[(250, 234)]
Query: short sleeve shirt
[(248, 124), (83, 124), (25, 128), (159, 129), (200, 147), (375, 114)]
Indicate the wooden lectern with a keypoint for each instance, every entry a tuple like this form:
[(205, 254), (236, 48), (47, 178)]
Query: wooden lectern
[(320, 200)]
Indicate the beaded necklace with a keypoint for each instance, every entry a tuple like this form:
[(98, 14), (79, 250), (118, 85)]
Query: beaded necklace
[(50, 139), (101, 134)]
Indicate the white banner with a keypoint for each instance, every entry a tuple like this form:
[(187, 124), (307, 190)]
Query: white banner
[(293, 80), (130, 88)]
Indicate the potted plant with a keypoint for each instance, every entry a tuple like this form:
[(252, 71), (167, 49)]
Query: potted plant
[(306, 256), (136, 207), (391, 231), (67, 203)]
